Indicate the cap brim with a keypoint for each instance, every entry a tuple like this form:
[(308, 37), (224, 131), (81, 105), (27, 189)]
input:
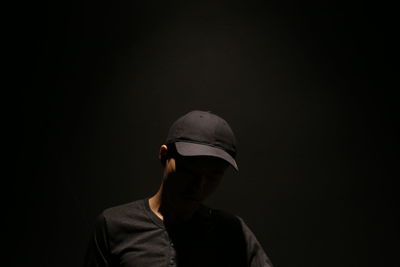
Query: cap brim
[(194, 149)]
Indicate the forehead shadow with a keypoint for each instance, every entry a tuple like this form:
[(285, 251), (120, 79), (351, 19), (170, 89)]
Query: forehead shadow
[(204, 161)]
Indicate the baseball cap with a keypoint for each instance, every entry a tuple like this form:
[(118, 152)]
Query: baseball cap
[(203, 133)]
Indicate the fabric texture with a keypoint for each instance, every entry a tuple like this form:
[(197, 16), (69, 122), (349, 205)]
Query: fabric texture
[(131, 235)]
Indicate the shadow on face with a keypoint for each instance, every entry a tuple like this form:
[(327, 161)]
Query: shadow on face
[(188, 181)]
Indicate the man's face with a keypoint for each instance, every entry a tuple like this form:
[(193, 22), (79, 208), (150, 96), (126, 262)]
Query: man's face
[(188, 181)]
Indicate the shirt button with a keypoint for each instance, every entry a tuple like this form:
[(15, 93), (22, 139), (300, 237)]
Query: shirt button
[(172, 244), (172, 261)]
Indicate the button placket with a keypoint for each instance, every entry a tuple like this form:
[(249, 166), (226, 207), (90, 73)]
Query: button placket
[(172, 254)]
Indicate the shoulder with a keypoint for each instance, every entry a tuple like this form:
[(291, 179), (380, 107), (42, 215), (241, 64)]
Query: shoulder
[(125, 215), (230, 221), (124, 210), (227, 216), (225, 220), (224, 215)]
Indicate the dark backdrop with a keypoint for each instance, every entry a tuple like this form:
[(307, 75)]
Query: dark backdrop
[(303, 85)]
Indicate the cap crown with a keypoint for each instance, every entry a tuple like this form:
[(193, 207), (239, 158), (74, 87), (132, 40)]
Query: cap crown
[(203, 127)]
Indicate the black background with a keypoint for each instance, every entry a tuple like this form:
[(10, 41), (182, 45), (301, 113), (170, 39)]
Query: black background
[(304, 85)]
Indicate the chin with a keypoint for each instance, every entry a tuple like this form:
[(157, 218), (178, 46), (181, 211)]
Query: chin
[(189, 206)]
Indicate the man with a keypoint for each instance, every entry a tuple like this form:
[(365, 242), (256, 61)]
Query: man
[(173, 227)]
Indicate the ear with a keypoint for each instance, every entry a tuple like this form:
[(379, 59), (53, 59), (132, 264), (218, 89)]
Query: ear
[(162, 155)]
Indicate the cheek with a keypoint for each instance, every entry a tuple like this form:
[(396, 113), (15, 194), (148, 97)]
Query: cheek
[(212, 185), (176, 183)]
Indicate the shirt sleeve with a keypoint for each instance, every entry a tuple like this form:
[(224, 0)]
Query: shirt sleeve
[(256, 256), (98, 251)]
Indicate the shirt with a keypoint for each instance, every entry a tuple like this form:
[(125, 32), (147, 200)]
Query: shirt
[(131, 235)]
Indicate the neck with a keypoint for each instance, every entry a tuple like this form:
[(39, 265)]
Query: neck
[(155, 203)]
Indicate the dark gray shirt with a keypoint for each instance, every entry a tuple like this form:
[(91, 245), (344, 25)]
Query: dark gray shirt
[(131, 235)]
